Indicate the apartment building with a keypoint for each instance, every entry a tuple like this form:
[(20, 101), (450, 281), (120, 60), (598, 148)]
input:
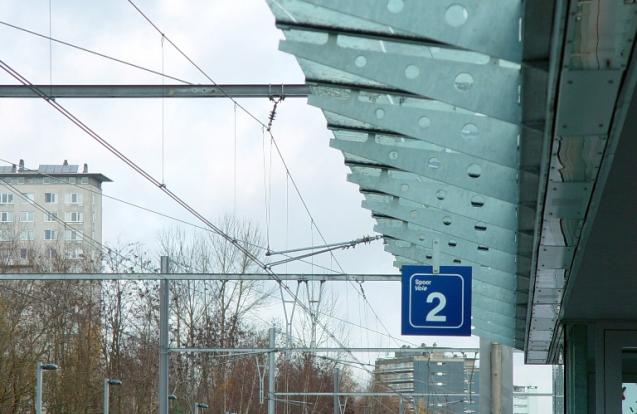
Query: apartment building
[(55, 208), (449, 379)]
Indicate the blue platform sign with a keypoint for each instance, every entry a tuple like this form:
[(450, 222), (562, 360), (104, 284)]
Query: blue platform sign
[(436, 303)]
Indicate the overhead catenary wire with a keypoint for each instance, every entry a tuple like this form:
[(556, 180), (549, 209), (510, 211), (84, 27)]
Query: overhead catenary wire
[(163, 115), (95, 53), (151, 211), (244, 109), (50, 215), (96, 244), (164, 189), (143, 172), (163, 75)]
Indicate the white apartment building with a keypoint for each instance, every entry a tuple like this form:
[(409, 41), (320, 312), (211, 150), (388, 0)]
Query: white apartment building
[(56, 208)]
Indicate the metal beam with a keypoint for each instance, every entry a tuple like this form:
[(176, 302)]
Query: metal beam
[(396, 394), (326, 277), (158, 91), (323, 350), (365, 394)]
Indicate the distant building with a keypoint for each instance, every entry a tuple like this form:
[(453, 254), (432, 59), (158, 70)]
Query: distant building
[(449, 378), (34, 203), (525, 404)]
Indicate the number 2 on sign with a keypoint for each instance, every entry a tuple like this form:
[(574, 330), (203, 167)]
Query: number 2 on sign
[(432, 315)]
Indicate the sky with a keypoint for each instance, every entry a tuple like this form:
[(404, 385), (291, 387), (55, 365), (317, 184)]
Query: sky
[(204, 142)]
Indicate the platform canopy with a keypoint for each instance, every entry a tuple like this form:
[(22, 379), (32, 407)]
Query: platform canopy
[(424, 100), (481, 133)]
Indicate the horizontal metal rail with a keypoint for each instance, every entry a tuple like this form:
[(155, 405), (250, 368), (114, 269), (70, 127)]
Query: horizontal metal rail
[(394, 394), (301, 277), (314, 350), (366, 394), (158, 91)]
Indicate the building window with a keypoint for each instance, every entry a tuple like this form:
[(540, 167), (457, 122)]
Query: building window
[(26, 235), (26, 216), (50, 234), (74, 217), (72, 180), (73, 198), (29, 198), (6, 216), (50, 198), (51, 253), (24, 253), (20, 180), (72, 235), (75, 253), (50, 216), (84, 180), (5, 235), (6, 198)]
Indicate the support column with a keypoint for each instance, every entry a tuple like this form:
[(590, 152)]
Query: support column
[(337, 387), (271, 372), (164, 300), (38, 389), (576, 358), (106, 398), (496, 378)]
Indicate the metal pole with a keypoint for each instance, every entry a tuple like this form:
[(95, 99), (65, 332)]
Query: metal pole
[(496, 378), (164, 300), (271, 369), (38, 388), (401, 408), (106, 396), (337, 379)]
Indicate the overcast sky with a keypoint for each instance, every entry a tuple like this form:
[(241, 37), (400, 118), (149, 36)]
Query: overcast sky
[(235, 42)]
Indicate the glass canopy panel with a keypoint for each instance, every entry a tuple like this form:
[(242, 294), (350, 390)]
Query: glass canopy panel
[(430, 121), (429, 126), (434, 219), (433, 193), (453, 168), (459, 23), (470, 24), (489, 88)]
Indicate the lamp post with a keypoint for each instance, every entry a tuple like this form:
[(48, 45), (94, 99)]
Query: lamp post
[(38, 384), (107, 384), (199, 405), (171, 398)]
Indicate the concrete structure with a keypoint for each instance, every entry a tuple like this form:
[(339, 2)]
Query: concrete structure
[(54, 209), (439, 373)]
